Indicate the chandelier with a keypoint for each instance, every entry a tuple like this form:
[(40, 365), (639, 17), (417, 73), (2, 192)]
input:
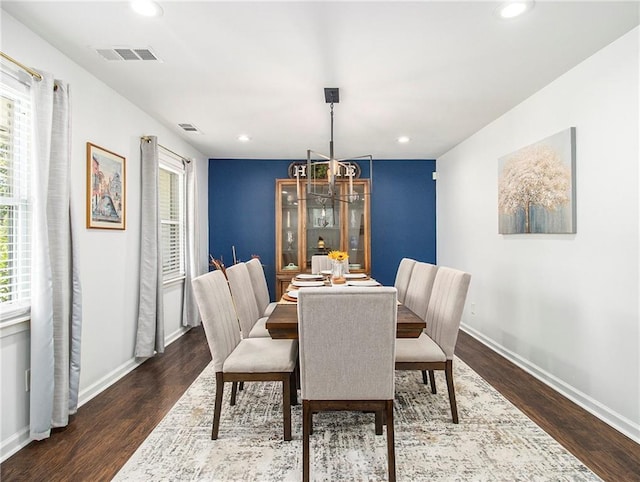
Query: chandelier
[(323, 172)]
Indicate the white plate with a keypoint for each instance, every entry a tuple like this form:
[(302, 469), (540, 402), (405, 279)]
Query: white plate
[(307, 283), (309, 276), (325, 271), (355, 275), (367, 282), (293, 293)]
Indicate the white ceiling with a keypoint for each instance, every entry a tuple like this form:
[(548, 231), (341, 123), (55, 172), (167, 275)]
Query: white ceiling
[(434, 71)]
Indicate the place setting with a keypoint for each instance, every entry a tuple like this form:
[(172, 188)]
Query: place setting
[(291, 296), (307, 279), (362, 282), (360, 279)]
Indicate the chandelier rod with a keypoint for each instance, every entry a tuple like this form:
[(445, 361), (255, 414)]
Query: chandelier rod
[(332, 157)]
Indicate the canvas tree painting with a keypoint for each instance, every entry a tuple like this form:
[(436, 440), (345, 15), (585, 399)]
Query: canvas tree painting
[(536, 187)]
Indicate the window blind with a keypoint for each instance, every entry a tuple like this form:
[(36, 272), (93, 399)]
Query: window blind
[(15, 201), (171, 193)]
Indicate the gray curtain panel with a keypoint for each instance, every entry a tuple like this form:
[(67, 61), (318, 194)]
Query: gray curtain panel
[(190, 314), (56, 302), (150, 334)]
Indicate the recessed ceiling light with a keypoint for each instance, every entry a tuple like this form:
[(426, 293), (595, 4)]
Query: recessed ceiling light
[(514, 9), (403, 139), (244, 138), (147, 8)]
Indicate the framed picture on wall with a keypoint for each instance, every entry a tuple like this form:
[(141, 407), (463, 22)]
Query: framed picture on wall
[(536, 187), (106, 192)]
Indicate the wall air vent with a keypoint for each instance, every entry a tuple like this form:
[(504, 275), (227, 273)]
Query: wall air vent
[(190, 128), (125, 53)]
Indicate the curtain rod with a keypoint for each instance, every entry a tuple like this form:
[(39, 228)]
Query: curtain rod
[(31, 72), (147, 138)]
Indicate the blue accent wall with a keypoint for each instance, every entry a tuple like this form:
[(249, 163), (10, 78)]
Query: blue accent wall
[(242, 212), (403, 215)]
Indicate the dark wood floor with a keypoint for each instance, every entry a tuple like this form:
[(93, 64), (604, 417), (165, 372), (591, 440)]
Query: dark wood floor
[(108, 429)]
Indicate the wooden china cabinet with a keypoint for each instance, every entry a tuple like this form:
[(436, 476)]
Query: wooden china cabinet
[(305, 227)]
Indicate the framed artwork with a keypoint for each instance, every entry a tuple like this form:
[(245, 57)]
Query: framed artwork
[(106, 192), (536, 187)]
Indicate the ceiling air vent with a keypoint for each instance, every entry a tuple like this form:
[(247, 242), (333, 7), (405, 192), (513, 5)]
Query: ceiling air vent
[(145, 54), (125, 53), (190, 128)]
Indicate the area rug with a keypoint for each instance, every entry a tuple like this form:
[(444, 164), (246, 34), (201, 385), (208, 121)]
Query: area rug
[(494, 441)]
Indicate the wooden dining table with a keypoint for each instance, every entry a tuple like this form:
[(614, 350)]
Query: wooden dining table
[(283, 322)]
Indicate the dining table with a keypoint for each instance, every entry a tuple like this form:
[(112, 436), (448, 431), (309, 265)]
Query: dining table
[(283, 322)]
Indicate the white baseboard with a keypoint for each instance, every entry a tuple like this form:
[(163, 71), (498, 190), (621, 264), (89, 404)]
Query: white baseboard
[(14, 443), (109, 379), (175, 335), (112, 377), (604, 413), (21, 438)]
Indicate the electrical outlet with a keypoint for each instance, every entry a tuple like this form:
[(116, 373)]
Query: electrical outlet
[(27, 380), (473, 308)]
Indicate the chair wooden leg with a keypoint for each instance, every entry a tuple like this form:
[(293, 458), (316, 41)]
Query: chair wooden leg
[(306, 432), (424, 377), (218, 405), (293, 388), (391, 451), (432, 380), (234, 391), (286, 407), (241, 386), (379, 422), (452, 395)]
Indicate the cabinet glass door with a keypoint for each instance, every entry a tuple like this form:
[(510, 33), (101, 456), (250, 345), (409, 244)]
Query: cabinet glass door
[(357, 229), (289, 228), (323, 227)]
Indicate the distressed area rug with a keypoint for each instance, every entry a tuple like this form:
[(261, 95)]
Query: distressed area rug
[(494, 441)]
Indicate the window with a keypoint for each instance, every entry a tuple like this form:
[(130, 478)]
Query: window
[(15, 201), (171, 193)]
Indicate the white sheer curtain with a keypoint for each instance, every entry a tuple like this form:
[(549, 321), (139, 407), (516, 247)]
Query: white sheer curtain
[(56, 305), (190, 313), (150, 335)]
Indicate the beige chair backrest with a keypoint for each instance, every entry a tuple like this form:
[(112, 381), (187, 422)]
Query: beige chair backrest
[(243, 297), (446, 306), (259, 284), (347, 343), (403, 275), (420, 287), (320, 262), (218, 315)]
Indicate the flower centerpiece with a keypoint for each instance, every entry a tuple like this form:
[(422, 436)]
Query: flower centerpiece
[(339, 260)]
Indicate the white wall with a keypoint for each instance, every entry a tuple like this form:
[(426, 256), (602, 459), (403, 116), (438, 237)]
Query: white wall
[(565, 307), (109, 260)]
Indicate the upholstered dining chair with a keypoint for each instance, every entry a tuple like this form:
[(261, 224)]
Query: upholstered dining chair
[(320, 262), (236, 359), (260, 288), (434, 348), (403, 275), (252, 323), (417, 297), (347, 345), (419, 288)]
